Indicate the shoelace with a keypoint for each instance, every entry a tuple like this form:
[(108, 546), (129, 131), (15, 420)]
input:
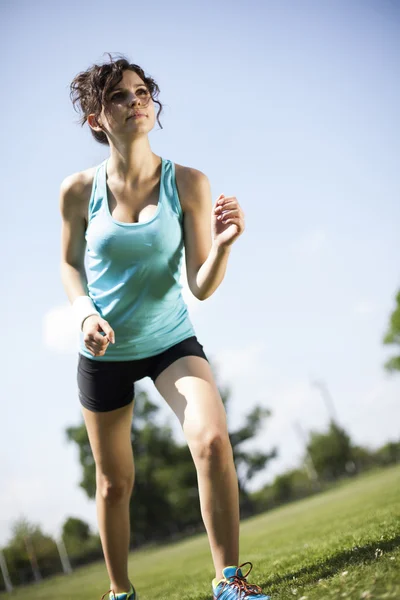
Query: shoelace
[(240, 583), (107, 593)]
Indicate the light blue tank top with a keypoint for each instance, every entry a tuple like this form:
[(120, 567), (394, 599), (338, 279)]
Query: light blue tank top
[(133, 272)]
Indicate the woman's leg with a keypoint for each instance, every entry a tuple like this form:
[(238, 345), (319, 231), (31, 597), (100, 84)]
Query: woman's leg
[(110, 440), (189, 388)]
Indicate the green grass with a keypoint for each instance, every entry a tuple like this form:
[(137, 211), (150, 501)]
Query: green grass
[(344, 543)]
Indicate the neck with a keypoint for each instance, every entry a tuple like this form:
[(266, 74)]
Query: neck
[(132, 161)]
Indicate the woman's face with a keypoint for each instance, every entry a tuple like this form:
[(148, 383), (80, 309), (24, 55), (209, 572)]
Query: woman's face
[(130, 108)]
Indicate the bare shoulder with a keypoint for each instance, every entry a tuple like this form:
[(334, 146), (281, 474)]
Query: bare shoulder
[(192, 185), (75, 192)]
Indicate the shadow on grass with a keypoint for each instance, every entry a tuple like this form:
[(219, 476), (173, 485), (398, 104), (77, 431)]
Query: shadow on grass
[(337, 562)]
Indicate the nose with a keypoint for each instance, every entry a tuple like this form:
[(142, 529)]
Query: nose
[(135, 99)]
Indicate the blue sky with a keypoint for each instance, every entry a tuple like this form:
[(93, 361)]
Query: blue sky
[(290, 106)]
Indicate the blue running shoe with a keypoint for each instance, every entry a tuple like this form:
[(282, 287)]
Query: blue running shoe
[(234, 586), (131, 595)]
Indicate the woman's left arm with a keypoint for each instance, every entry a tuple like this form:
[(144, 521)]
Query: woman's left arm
[(207, 244)]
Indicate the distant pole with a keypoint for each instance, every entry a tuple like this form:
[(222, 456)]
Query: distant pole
[(66, 565), (4, 570), (32, 557), (327, 398), (309, 463)]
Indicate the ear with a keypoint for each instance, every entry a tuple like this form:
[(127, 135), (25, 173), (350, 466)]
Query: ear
[(94, 122)]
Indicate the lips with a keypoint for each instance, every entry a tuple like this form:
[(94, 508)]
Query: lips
[(137, 115)]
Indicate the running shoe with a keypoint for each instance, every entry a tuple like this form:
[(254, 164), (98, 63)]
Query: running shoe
[(131, 595), (234, 586)]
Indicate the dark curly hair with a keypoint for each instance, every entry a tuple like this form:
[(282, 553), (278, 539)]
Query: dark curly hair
[(89, 90)]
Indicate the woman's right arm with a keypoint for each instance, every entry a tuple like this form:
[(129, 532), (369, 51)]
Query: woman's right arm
[(73, 203), (73, 242)]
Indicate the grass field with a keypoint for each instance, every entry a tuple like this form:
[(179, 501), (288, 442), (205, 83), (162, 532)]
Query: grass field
[(344, 543)]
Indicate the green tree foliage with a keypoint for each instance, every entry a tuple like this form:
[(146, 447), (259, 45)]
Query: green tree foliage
[(76, 529), (331, 453), (30, 550), (286, 487), (389, 454), (291, 485), (165, 499), (249, 462), (363, 459), (80, 543), (392, 336)]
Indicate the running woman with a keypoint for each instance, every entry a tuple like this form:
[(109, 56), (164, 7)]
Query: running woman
[(124, 226)]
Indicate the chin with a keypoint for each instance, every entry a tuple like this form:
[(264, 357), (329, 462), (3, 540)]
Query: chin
[(140, 126)]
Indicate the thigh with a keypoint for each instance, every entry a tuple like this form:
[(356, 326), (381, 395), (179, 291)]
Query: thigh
[(104, 385), (106, 393), (189, 387), (110, 440), (188, 347)]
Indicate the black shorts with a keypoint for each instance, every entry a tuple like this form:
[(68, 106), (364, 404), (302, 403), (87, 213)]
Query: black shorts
[(107, 385)]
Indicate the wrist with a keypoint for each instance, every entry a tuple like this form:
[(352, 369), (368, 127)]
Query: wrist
[(221, 250), (82, 308), (87, 318)]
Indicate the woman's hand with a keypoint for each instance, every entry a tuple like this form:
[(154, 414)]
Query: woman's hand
[(227, 221), (95, 342)]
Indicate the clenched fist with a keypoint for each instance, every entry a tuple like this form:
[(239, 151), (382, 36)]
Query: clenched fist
[(97, 334)]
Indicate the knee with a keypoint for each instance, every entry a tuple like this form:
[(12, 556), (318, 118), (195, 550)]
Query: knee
[(114, 489), (211, 447)]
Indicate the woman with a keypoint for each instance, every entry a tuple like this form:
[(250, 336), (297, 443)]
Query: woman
[(135, 212)]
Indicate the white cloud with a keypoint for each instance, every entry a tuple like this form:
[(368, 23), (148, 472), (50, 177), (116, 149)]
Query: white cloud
[(59, 330)]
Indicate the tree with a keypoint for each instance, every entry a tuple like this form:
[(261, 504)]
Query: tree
[(77, 529), (285, 487), (392, 336), (80, 543), (248, 463), (331, 452), (165, 498), (291, 485), (389, 454), (363, 458), (30, 554)]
